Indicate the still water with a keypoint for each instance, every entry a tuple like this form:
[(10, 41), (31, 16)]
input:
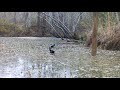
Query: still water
[(29, 57)]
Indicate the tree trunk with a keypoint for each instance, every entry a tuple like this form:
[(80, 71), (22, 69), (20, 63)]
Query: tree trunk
[(15, 22), (109, 24), (41, 24), (117, 17), (26, 14), (38, 24), (94, 34)]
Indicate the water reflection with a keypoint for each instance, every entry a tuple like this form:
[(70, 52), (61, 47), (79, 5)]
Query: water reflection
[(30, 58), (26, 69)]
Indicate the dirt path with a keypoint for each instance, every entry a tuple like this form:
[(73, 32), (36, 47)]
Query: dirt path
[(29, 57)]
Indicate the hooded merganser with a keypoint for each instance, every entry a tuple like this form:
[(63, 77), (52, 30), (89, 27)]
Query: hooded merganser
[(51, 51), (52, 46)]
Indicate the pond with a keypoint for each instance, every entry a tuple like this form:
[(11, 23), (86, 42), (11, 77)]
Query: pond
[(29, 57)]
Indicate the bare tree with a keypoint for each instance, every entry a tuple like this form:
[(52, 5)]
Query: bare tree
[(15, 21), (26, 14), (41, 23), (38, 24), (61, 24), (94, 34), (117, 17)]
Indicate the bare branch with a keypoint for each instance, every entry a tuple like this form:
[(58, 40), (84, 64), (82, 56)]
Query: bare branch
[(52, 27), (78, 18), (59, 22)]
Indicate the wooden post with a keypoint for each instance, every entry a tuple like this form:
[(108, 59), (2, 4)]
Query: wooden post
[(94, 34)]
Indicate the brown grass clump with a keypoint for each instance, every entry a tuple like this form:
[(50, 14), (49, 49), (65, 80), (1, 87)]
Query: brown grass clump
[(109, 40), (112, 42), (8, 29)]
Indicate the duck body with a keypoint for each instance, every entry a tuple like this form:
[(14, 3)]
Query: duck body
[(50, 49)]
